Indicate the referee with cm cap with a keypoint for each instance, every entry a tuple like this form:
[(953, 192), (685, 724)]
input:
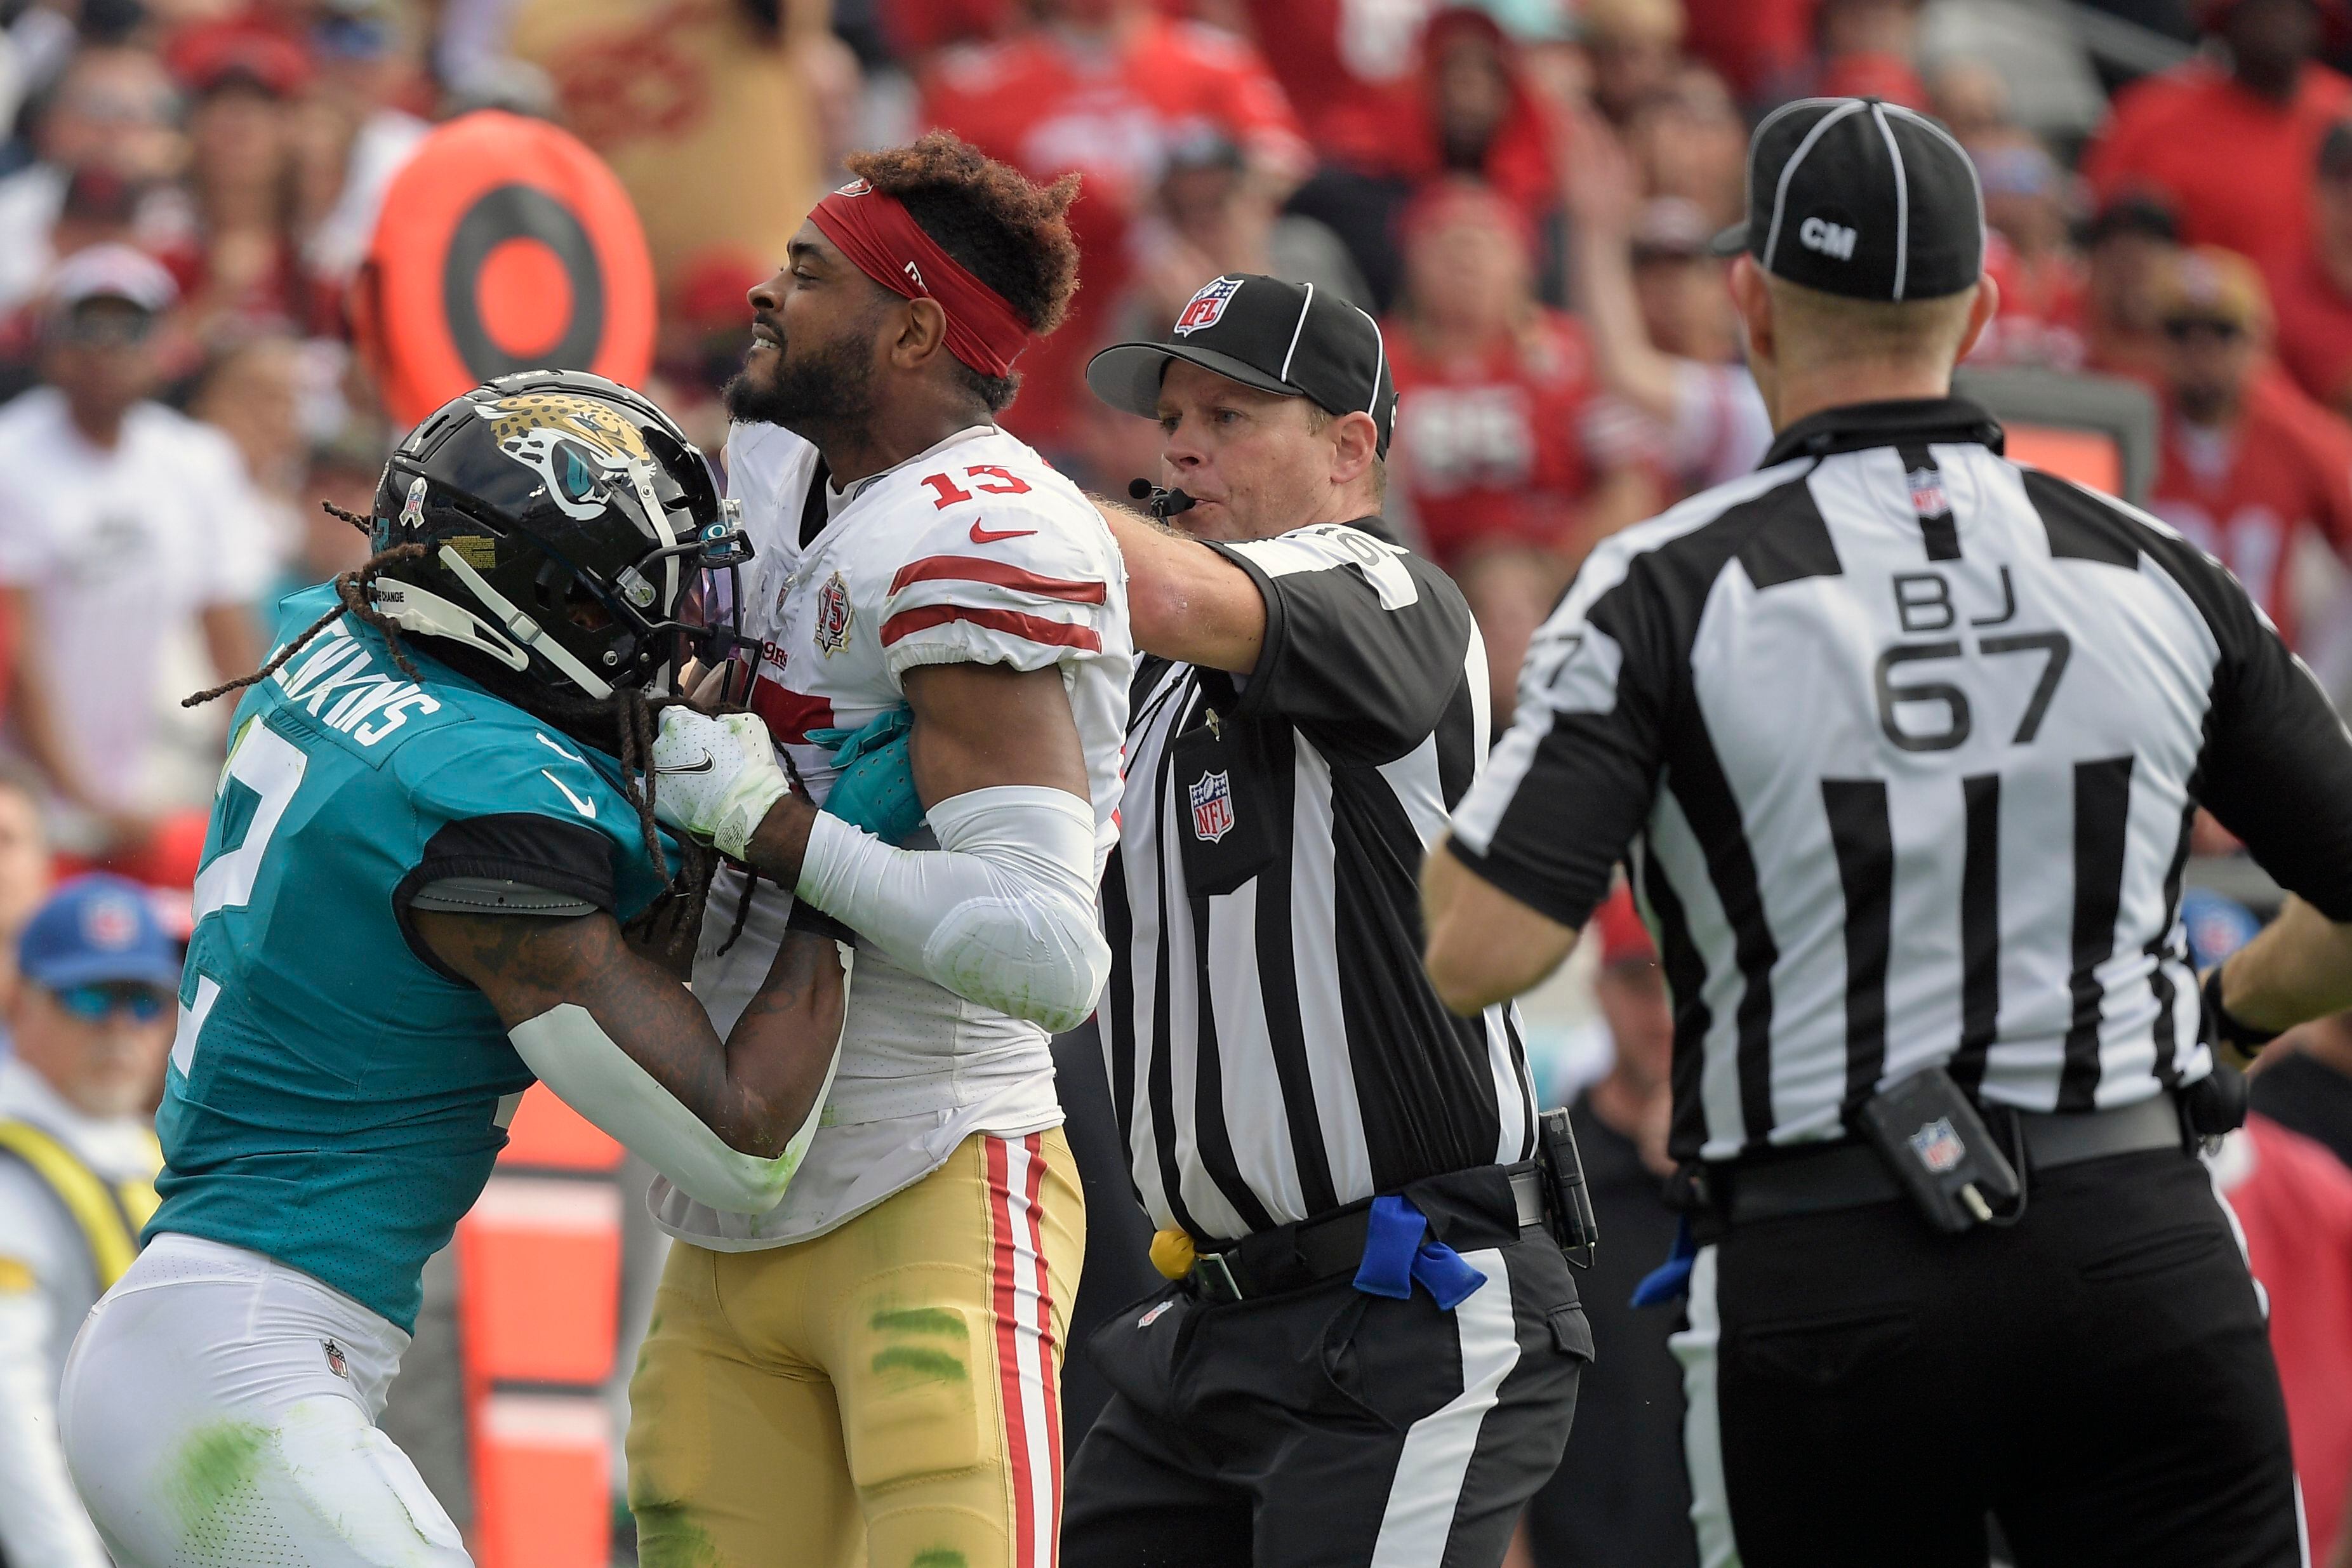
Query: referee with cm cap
[(1903, 742), (1370, 1349)]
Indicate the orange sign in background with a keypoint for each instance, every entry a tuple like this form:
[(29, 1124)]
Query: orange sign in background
[(505, 244), (2086, 456)]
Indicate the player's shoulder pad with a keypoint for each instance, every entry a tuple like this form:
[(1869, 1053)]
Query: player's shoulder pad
[(1010, 564), (350, 686), (507, 762), (999, 500)]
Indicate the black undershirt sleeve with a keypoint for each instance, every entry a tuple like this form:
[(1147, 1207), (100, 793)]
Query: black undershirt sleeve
[(2277, 768), (1363, 667), (537, 851)]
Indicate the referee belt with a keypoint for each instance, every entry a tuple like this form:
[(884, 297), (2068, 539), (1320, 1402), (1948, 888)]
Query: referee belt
[(1850, 1174), (1466, 1207)]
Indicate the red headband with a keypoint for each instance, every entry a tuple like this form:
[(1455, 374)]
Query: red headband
[(883, 240)]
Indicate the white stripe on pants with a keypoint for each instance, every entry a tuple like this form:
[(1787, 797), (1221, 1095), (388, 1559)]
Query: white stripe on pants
[(1696, 1347), (1435, 1460)]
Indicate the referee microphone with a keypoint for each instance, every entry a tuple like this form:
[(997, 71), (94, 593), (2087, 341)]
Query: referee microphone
[(1164, 504)]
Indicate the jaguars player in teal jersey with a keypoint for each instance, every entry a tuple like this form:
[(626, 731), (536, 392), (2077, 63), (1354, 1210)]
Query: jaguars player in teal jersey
[(425, 861)]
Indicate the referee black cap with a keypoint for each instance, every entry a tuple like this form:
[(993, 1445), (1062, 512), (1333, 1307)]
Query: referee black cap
[(1860, 197), (1288, 338)]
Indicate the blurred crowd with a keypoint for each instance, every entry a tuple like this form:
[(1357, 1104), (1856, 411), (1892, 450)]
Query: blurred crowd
[(1523, 192)]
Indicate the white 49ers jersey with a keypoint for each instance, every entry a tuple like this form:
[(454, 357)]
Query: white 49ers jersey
[(975, 552)]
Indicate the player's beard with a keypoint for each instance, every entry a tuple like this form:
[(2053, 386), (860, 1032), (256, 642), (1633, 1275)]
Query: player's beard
[(829, 389)]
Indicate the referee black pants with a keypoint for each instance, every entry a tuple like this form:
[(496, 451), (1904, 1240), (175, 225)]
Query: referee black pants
[(1863, 1391), (1328, 1428)]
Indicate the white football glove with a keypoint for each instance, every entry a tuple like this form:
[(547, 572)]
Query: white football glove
[(717, 775)]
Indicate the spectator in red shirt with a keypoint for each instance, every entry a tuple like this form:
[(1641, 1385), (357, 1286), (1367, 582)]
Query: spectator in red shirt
[(2231, 149), (1505, 453), (1763, 47), (242, 263), (1473, 104), (2249, 467), (1103, 86), (2030, 254), (2130, 239), (2314, 303), (2294, 1203), (915, 27), (1484, 117), (1352, 71)]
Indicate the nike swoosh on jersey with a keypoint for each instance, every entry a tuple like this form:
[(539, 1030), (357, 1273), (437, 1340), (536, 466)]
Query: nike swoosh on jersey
[(990, 536), (704, 766), (587, 808)]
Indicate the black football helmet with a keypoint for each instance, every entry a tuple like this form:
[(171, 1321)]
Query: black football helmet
[(571, 533)]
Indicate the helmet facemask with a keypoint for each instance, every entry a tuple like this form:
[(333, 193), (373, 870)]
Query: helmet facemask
[(574, 536)]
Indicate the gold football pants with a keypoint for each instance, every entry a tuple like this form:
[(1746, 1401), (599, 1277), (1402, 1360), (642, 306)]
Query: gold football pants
[(887, 1393)]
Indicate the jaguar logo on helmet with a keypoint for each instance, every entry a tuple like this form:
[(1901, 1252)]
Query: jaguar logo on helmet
[(578, 447)]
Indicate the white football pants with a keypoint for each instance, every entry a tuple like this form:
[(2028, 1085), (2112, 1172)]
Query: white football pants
[(219, 1411)]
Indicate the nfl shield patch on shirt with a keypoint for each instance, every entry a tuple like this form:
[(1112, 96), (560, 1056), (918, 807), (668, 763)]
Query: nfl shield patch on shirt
[(1213, 807)]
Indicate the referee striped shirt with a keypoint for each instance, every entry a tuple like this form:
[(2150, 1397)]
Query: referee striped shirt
[(1275, 1049), (1902, 743)]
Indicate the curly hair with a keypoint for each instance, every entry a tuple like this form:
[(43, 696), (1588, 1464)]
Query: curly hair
[(1010, 233)]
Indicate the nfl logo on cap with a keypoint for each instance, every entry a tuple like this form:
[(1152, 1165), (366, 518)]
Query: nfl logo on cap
[(1207, 305), (1213, 807)]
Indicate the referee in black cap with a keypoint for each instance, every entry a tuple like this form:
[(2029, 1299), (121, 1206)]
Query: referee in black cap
[(1369, 1348), (1902, 743)]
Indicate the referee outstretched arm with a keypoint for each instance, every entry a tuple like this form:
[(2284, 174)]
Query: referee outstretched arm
[(1363, 651), (1342, 1171), (1901, 744)]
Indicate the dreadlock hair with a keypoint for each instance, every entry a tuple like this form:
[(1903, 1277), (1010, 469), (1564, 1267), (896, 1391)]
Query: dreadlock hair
[(1011, 234), (634, 716), (354, 590)]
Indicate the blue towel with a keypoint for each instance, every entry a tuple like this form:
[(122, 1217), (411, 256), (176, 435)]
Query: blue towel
[(1395, 1256), (1670, 1280)]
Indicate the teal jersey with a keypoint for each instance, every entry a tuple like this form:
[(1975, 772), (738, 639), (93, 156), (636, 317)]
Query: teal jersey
[(333, 1094)]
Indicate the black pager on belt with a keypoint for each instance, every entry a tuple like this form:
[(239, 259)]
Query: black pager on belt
[(1565, 1193), (1939, 1150)]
